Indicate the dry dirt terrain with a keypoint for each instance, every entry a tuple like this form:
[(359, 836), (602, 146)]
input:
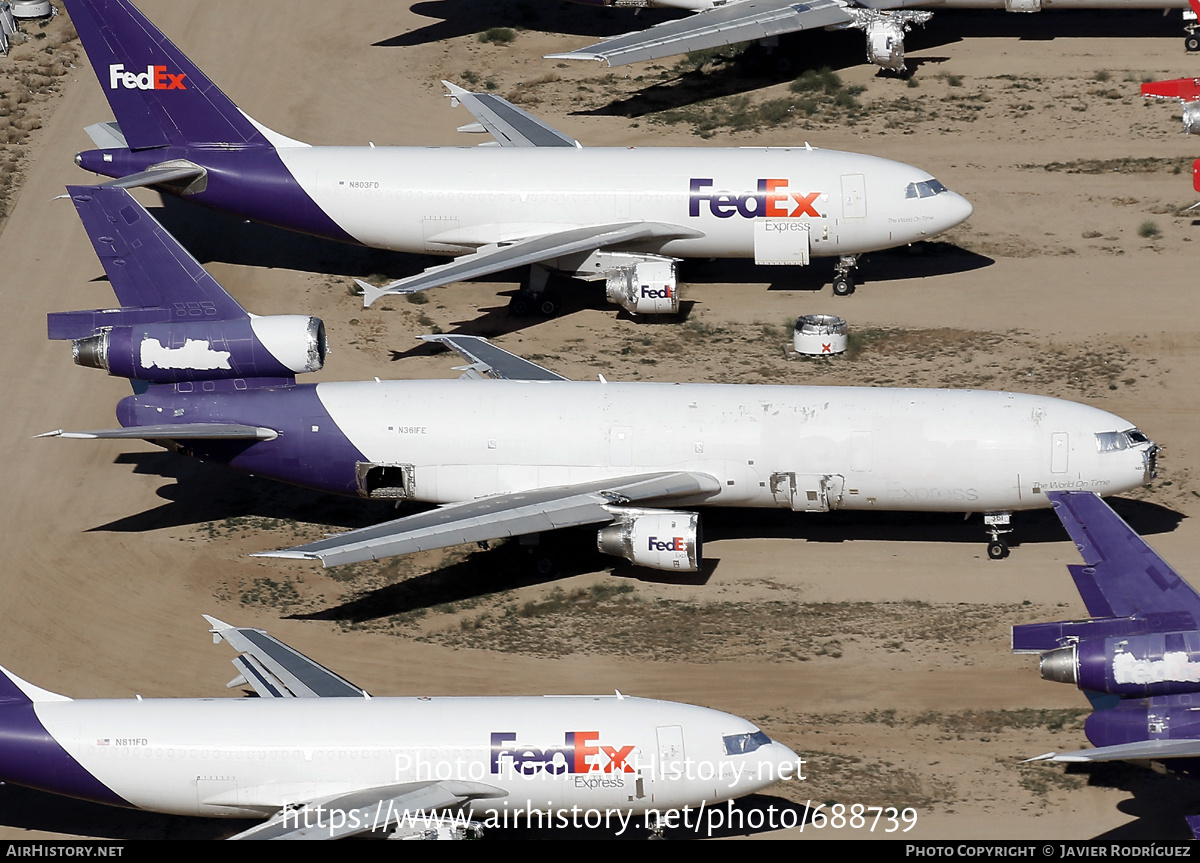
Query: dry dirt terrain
[(875, 645)]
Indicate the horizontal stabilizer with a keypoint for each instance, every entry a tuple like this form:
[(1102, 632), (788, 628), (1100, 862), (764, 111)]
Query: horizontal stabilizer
[(107, 136), (178, 431), (278, 671), (714, 28), (495, 362), (80, 325), (501, 516), (508, 124), (152, 176), (1140, 750), (533, 250)]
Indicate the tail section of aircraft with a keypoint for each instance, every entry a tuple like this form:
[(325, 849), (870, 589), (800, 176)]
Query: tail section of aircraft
[(175, 323), (178, 132), (159, 97)]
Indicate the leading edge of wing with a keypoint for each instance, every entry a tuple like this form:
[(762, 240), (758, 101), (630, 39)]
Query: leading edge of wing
[(532, 250), (275, 670), (713, 28), (1121, 574), (493, 361), (508, 124), (500, 516)]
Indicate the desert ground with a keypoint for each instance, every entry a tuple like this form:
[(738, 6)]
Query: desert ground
[(874, 645)]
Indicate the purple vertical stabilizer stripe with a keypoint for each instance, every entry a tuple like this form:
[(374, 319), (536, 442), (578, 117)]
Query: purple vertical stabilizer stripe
[(1193, 822), (1123, 575), (30, 756), (252, 184), (180, 105), (311, 450), (146, 266)]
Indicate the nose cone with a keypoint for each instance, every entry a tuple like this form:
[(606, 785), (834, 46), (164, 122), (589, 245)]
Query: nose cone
[(770, 764), (954, 209)]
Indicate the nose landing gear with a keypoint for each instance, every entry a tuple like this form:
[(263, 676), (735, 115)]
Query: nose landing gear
[(997, 526), (843, 279)]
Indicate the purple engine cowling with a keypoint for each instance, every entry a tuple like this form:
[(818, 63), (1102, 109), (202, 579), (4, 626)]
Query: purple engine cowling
[(171, 352), (1164, 663)]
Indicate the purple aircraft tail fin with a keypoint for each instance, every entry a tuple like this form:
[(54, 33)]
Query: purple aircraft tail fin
[(161, 281), (157, 94), (1121, 575)]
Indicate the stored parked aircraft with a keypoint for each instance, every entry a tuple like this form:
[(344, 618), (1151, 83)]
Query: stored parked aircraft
[(883, 22), (1187, 91), (533, 451), (1138, 658), (622, 215), (319, 758)]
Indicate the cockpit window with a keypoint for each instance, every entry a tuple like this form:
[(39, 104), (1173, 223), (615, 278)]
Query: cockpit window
[(924, 189), (740, 744), (1115, 441), (1111, 441), (1136, 436)]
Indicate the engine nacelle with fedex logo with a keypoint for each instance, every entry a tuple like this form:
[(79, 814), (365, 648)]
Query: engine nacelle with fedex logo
[(654, 538)]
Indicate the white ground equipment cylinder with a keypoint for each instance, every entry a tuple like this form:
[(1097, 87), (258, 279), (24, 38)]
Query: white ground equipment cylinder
[(818, 335), (31, 8)]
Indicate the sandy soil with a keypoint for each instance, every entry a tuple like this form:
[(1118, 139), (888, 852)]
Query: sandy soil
[(879, 643)]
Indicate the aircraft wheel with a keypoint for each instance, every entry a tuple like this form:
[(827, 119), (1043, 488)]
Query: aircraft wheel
[(997, 549), (1191, 43), (548, 305), (545, 566), (843, 286), (519, 305)]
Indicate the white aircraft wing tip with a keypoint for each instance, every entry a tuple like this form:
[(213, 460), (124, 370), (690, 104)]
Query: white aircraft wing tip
[(1049, 756), (286, 554), (454, 89)]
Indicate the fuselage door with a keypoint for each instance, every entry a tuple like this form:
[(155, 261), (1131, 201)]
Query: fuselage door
[(1059, 448), (781, 241), (854, 196)]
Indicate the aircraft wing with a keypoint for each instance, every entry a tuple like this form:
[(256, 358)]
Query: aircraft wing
[(275, 670), (178, 431), (1121, 575), (390, 808), (1139, 750), (508, 124), (494, 362), (500, 516), (531, 250), (734, 22)]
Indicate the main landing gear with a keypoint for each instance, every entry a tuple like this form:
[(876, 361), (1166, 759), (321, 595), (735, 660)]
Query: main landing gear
[(997, 525), (1191, 23), (535, 298), (843, 279)]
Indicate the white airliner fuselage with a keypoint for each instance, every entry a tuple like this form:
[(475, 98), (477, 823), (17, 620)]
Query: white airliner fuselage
[(799, 447), (749, 202)]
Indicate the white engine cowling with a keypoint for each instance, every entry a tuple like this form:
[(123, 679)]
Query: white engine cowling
[(645, 288), (654, 538), (885, 43)]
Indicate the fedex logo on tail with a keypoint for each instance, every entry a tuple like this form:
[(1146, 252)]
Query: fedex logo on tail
[(579, 754), (772, 200), (154, 78)]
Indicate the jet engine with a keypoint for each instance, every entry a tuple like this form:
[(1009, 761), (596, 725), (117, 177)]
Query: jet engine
[(654, 538), (170, 352), (1140, 666), (885, 34), (644, 288)]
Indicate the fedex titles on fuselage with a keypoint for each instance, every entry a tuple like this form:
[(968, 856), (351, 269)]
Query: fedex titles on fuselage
[(772, 201), (154, 78), (579, 754)]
